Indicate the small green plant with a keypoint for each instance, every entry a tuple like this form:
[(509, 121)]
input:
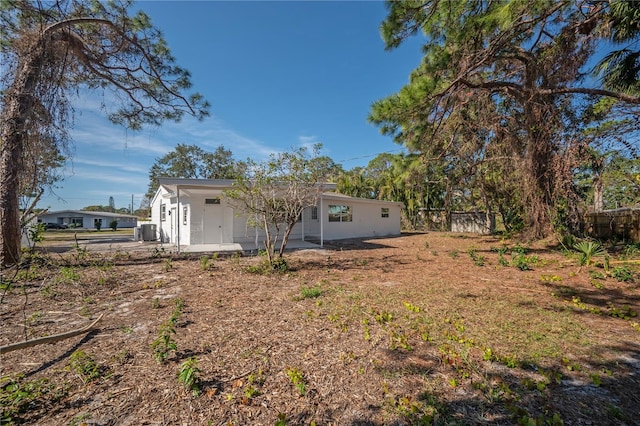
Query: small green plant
[(523, 262), (622, 274), (411, 307), (18, 396), (155, 303), (68, 275), (113, 225), (164, 343), (167, 264), (454, 253), (84, 366), (189, 376), (97, 224), (204, 262), (587, 250), (311, 292), (297, 379)]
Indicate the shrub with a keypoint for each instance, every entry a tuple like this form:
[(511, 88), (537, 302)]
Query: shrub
[(113, 225)]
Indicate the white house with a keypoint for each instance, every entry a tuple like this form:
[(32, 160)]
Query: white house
[(87, 219), (195, 211)]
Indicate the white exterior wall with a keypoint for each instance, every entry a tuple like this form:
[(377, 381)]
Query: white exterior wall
[(220, 224), (367, 219)]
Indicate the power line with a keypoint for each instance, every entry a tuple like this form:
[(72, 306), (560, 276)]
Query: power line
[(371, 155)]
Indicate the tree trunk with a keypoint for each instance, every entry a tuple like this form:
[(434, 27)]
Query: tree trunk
[(19, 101), (598, 194)]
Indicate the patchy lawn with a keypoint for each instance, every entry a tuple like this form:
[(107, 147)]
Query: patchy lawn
[(425, 328)]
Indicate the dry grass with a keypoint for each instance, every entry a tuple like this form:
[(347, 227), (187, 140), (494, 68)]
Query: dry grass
[(419, 329)]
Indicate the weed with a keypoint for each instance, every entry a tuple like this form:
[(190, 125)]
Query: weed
[(550, 278), (524, 263), (277, 265), (597, 275), (79, 420), (126, 329), (297, 379), (519, 249), (84, 366), (412, 308), (500, 250), (188, 376), (622, 274), (454, 253), (426, 244), (631, 251), (18, 396), (204, 262), (478, 260), (157, 252), (383, 317), (68, 275), (282, 420), (155, 303), (164, 343), (625, 313), (310, 292), (34, 318), (167, 264)]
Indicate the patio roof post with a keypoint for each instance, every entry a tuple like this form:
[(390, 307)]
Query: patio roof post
[(302, 218), (177, 218), (321, 222)]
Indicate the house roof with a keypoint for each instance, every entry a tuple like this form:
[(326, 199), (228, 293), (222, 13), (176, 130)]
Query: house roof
[(192, 186), (84, 212)]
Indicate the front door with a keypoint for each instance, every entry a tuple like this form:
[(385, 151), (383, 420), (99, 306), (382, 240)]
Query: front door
[(213, 221)]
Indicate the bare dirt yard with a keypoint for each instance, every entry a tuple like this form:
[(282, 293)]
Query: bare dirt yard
[(433, 328)]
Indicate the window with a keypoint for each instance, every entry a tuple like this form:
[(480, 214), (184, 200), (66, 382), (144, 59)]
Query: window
[(384, 212), (314, 213), (163, 212), (340, 213), (212, 200), (184, 215)]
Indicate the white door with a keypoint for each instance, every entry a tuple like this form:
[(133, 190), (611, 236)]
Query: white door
[(174, 223), (213, 221)]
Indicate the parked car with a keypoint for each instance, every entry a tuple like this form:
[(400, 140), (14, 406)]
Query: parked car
[(55, 226)]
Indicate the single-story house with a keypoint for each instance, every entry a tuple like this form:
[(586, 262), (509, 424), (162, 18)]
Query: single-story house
[(87, 219), (196, 211)]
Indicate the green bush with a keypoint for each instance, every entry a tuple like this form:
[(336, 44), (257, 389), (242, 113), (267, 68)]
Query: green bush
[(113, 225)]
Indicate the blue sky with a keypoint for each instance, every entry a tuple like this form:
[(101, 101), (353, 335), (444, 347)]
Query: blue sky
[(277, 74)]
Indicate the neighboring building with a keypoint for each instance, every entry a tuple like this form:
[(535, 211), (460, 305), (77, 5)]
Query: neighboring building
[(196, 211), (87, 219)]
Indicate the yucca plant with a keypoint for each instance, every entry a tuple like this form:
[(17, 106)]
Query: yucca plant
[(588, 250)]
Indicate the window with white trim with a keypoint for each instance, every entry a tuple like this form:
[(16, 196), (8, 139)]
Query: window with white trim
[(163, 212), (184, 215), (340, 213), (314, 213)]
